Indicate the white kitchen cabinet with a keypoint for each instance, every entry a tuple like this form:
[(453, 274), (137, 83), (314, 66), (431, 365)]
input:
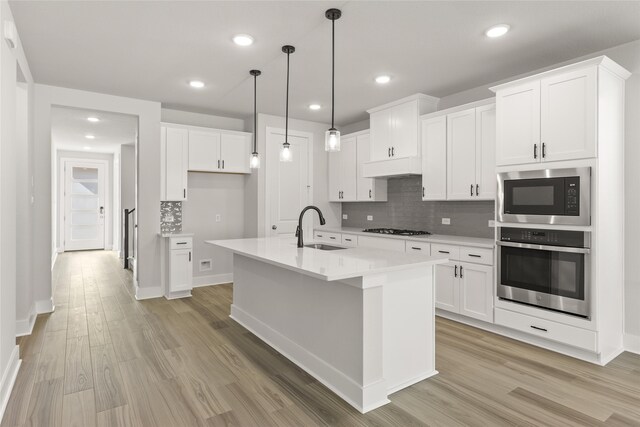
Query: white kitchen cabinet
[(548, 118), (486, 181), (180, 267), (461, 155), (381, 243), (204, 151), (174, 159), (367, 189), (434, 158), (381, 123), (476, 291), (343, 170), (235, 149), (568, 115), (405, 130), (447, 287)]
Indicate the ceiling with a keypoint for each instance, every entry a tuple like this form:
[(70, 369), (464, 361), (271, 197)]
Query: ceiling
[(151, 49), (69, 127)]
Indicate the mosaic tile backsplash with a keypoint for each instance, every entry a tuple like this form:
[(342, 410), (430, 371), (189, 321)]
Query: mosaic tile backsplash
[(171, 217), (405, 209)]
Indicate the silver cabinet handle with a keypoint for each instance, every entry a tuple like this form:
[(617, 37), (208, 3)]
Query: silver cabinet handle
[(455, 274), (416, 248), (223, 164), (477, 190), (461, 272), (389, 152), (538, 328), (392, 151), (218, 163), (471, 189), (535, 151), (181, 243), (422, 191), (319, 235), (444, 252), (348, 240), (369, 193), (189, 256), (544, 150), (332, 237), (184, 193), (475, 256)]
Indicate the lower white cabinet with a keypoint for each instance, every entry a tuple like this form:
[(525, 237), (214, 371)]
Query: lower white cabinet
[(476, 291), (381, 243), (180, 268), (447, 287)]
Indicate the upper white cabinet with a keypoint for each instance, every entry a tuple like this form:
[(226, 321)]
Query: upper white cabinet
[(458, 153), (174, 158), (204, 151), (395, 136), (552, 116), (346, 183)]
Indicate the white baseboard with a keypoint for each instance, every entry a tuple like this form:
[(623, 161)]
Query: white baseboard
[(149, 292), (9, 378), (45, 306), (54, 257), (108, 248), (214, 279), (632, 343), (363, 398), (25, 326)]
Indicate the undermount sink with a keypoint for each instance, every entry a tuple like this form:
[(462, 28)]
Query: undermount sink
[(323, 247)]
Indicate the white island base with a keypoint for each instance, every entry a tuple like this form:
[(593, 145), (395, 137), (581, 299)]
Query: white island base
[(363, 337)]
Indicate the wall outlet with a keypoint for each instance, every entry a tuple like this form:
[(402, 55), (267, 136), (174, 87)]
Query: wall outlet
[(205, 264), (446, 221), (218, 218), (345, 216), (369, 217), (492, 223)]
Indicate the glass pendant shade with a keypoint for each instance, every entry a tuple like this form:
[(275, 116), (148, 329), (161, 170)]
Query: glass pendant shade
[(254, 163), (332, 140), (285, 153)]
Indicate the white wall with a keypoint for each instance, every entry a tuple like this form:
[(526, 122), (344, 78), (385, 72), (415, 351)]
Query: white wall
[(127, 189), (256, 182), (15, 172), (211, 194), (58, 196)]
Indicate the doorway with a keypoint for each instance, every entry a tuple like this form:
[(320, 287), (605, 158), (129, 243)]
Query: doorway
[(85, 210)]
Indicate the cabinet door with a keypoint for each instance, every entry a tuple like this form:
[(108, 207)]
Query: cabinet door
[(368, 189), (518, 124), (234, 153), (434, 158), (461, 155), (381, 243), (348, 169), (447, 287), (381, 124), (404, 136), (486, 180), (476, 291), (334, 176), (568, 115), (180, 270), (204, 151), (176, 163)]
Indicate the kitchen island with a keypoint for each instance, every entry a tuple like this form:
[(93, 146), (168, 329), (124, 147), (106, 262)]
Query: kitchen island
[(359, 320)]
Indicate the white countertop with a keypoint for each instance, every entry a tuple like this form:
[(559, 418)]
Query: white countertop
[(325, 265), (477, 242), (178, 235)]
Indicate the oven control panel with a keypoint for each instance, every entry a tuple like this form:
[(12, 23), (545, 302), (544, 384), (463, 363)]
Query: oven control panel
[(572, 195), (538, 236)]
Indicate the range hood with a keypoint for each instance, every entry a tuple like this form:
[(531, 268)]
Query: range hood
[(405, 166)]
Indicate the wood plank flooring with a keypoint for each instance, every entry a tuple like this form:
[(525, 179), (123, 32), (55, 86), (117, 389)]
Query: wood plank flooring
[(105, 359)]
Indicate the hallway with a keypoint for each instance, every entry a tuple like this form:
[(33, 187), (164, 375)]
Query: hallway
[(105, 359)]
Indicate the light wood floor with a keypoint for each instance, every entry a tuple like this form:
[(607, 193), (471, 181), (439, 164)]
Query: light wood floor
[(105, 359)]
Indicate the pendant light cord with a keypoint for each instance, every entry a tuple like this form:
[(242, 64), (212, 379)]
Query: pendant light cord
[(286, 117), (255, 113), (333, 69)]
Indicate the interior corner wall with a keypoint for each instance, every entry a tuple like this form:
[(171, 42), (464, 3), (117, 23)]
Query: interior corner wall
[(256, 182), (127, 187), (148, 199)]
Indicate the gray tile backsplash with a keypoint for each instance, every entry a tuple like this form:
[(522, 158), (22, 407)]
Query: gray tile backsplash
[(405, 209), (171, 217)]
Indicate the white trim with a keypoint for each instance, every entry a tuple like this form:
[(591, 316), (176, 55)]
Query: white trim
[(462, 107), (632, 343), (9, 379), (413, 381), (415, 97), (54, 258), (342, 385), (25, 326), (214, 279), (149, 292), (45, 306)]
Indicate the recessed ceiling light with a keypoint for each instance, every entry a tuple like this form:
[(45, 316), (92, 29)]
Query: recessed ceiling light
[(196, 84), (497, 30), (383, 79), (93, 119), (87, 148), (243, 40), (315, 106), (90, 136)]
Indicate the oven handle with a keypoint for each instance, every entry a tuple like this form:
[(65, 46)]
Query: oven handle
[(546, 248)]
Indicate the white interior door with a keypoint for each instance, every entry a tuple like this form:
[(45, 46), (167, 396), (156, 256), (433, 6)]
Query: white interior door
[(288, 184), (84, 205)]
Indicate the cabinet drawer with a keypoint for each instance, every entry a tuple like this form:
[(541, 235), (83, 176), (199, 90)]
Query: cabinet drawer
[(418, 247), (324, 236), (476, 255), (181, 243), (542, 328), (452, 251), (350, 240)]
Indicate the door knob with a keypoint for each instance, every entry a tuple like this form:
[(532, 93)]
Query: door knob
[(101, 210), (274, 227)]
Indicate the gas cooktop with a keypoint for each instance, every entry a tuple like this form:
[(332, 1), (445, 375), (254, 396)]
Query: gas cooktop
[(396, 231)]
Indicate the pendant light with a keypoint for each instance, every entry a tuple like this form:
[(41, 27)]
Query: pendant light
[(285, 152), (332, 136), (254, 162)]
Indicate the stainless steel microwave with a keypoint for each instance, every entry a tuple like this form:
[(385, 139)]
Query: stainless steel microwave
[(548, 196)]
